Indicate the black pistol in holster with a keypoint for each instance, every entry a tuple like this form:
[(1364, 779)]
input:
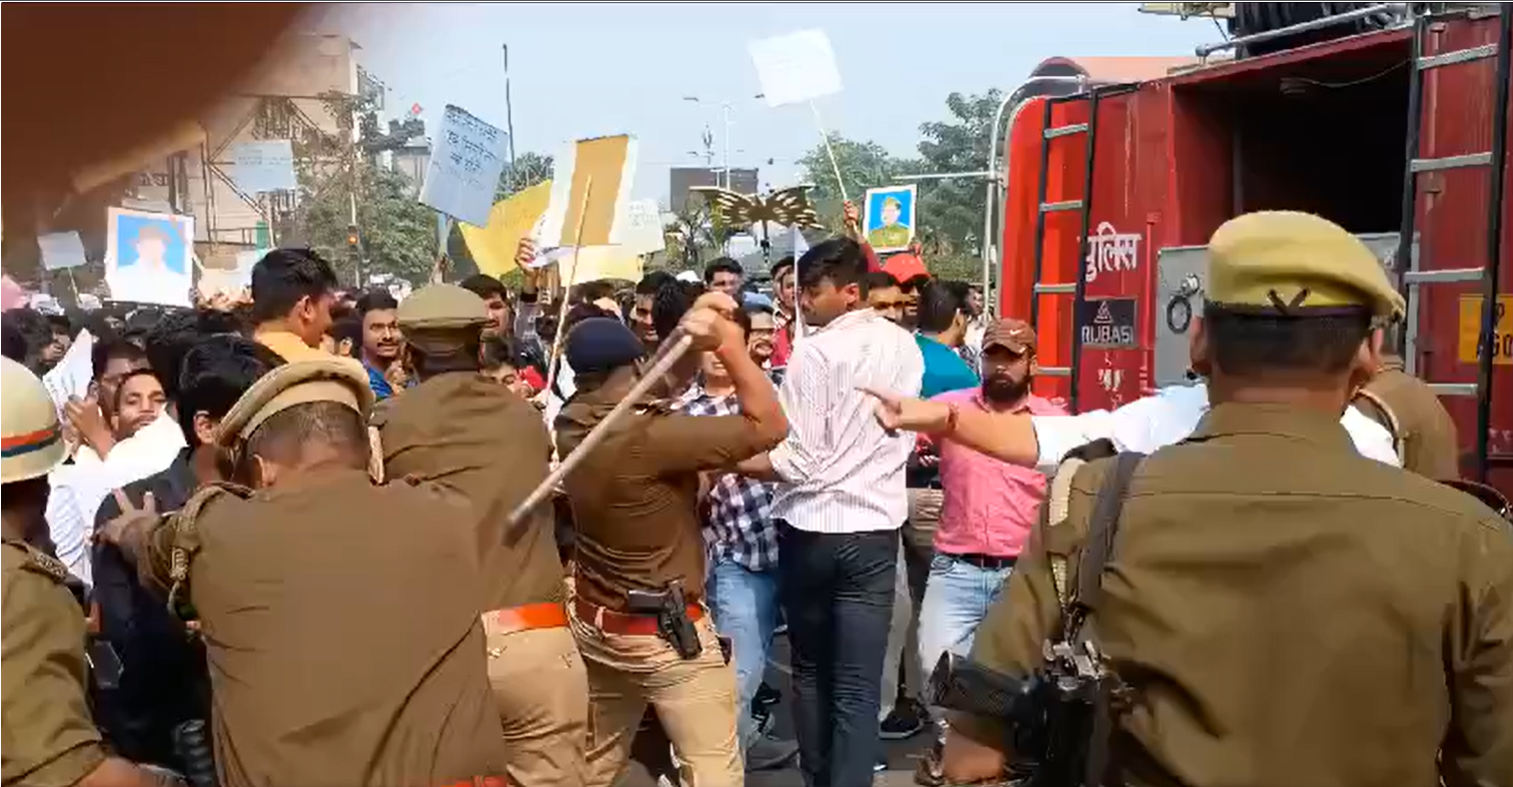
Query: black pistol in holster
[(191, 742), (1062, 718), (673, 624)]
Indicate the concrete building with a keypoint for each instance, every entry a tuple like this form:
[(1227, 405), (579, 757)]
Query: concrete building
[(283, 100)]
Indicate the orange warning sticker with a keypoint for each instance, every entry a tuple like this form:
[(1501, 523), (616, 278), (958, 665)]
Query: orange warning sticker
[(1500, 342)]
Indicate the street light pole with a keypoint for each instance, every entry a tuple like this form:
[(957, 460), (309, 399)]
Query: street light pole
[(725, 107), (509, 113), (725, 110)]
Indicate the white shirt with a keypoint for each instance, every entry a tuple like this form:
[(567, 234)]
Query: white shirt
[(160, 286), (1168, 417), (78, 490), (844, 473), (554, 403)]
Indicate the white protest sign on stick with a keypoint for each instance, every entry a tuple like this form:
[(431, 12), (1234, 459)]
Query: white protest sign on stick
[(264, 165), (644, 233), (798, 68), (61, 250), (465, 167)]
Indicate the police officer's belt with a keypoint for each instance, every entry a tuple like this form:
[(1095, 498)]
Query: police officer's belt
[(626, 624)]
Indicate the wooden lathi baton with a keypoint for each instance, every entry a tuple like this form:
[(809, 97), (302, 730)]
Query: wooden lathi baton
[(676, 347)]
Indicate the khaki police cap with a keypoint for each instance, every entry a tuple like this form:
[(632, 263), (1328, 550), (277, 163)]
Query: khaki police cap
[(1296, 263), (31, 439), (438, 316), (301, 382)]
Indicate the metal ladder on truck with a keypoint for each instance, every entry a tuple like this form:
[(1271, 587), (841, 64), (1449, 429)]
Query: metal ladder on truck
[(1085, 205), (1495, 160)]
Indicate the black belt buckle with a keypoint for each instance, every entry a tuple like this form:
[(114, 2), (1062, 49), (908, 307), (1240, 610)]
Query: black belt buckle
[(988, 562)]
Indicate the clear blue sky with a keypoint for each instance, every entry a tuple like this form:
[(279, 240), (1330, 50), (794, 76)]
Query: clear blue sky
[(589, 69)]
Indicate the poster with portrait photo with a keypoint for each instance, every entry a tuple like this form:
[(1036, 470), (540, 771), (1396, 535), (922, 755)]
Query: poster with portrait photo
[(888, 218), (148, 257)]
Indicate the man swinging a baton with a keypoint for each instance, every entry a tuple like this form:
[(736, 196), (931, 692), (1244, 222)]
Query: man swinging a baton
[(637, 610)]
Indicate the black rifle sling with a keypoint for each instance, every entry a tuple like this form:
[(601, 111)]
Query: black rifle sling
[(1102, 528), (1099, 767)]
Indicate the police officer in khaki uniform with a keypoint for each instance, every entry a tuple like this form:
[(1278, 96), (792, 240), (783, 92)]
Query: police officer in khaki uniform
[(634, 500), (343, 640), (1282, 610), (1421, 427), (464, 431), (49, 738)]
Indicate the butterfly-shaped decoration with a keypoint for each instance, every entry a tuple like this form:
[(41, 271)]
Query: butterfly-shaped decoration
[(789, 207)]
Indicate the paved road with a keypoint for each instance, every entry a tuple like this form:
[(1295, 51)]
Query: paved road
[(902, 755)]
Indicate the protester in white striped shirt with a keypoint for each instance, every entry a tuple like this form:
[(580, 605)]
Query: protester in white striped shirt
[(839, 511)]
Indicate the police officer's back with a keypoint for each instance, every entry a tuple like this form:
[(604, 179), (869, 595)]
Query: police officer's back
[(343, 636), (49, 737), (461, 429), (1282, 610)]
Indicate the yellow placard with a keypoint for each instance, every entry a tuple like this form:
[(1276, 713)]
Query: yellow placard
[(601, 160), (599, 262), (493, 247), (1470, 326)]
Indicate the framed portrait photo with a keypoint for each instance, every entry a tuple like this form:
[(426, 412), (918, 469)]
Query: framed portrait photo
[(149, 257), (888, 218)]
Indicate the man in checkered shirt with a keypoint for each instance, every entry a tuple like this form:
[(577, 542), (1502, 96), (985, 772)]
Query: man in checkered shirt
[(742, 546)]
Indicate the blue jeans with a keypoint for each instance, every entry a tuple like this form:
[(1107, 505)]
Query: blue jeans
[(957, 597), (745, 607), (837, 593)]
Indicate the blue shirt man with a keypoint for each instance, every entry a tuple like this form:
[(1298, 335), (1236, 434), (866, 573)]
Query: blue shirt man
[(945, 370)]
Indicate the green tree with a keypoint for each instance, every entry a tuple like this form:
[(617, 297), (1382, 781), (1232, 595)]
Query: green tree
[(398, 234), (863, 165), (951, 210), (529, 169), (694, 237)]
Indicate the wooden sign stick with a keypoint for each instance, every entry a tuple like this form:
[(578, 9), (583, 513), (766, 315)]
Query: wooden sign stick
[(829, 151), (677, 346), (572, 273)]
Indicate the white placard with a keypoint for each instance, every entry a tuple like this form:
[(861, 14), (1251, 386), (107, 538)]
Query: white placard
[(795, 68), (644, 233), (73, 373), (61, 250), (465, 166), (264, 165)]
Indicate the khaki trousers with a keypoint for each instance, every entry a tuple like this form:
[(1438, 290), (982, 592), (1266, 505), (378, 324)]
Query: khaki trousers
[(542, 691), (695, 700)]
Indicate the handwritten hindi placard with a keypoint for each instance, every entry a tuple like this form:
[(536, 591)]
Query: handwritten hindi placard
[(468, 157), (644, 232), (264, 165)]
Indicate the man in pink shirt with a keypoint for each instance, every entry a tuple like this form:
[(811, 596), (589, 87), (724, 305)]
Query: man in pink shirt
[(989, 509)]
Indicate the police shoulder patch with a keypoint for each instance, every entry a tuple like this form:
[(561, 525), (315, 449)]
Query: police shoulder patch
[(39, 562)]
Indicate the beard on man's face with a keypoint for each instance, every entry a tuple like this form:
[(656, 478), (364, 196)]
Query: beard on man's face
[(1003, 389)]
